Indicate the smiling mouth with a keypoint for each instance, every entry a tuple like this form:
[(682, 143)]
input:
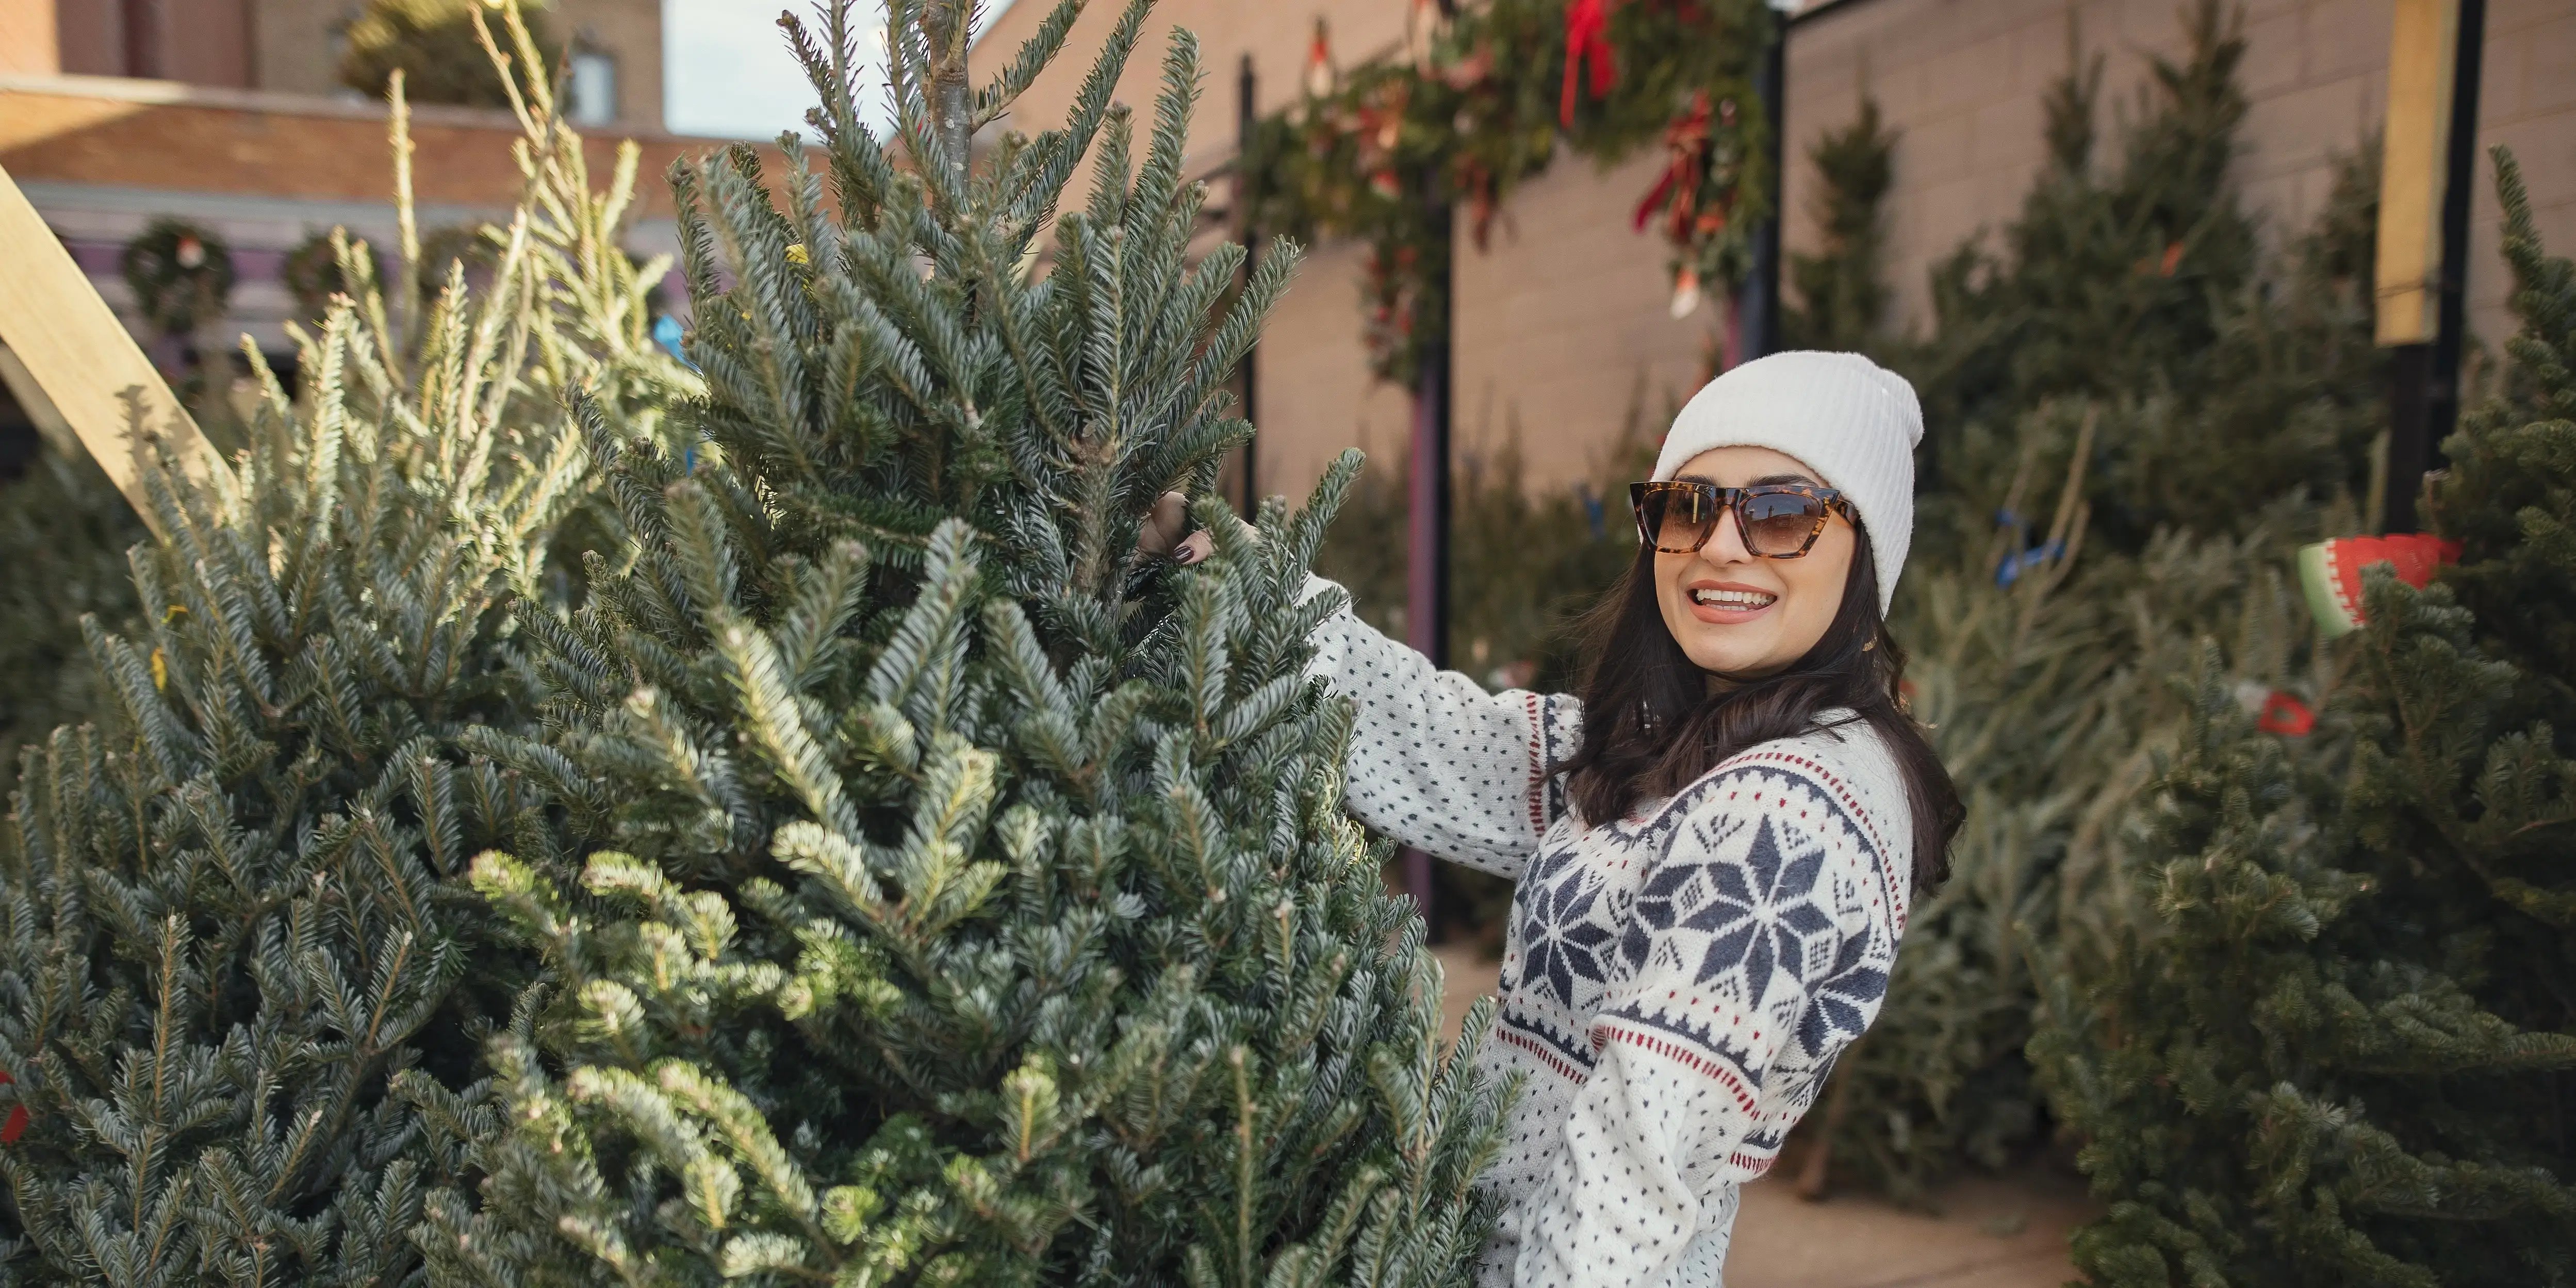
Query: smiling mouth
[(1733, 600)]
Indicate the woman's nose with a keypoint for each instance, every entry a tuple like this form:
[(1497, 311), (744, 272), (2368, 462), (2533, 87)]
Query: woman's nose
[(1726, 544)]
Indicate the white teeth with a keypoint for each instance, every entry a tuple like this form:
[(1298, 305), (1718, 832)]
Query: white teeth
[(1745, 599)]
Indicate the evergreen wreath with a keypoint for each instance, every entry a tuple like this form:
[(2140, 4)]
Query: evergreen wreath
[(313, 273), (441, 249), (181, 275), (1481, 101)]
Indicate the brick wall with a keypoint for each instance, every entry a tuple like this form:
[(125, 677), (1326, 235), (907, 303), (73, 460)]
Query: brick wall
[(1316, 397), (1562, 325), (203, 42), (1962, 79), (293, 46), (101, 157), (2527, 102), (629, 31), (29, 45), (156, 135), (1564, 329), (299, 44)]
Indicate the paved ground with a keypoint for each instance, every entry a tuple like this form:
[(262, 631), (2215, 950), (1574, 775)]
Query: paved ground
[(1990, 1233)]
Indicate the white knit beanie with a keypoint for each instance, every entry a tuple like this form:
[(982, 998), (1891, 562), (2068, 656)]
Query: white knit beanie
[(1852, 421)]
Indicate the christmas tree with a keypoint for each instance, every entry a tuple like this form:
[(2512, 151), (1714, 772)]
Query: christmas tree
[(2342, 1050), (64, 529), (2096, 509), (2138, 287), (436, 46), (237, 908), (1841, 297), (966, 897)]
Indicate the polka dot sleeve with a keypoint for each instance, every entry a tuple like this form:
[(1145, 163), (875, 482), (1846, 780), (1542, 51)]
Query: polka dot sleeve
[(1435, 761)]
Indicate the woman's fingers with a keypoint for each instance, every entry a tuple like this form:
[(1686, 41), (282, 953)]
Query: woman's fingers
[(1164, 525)]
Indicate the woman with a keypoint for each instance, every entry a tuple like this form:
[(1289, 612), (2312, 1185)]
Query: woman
[(1713, 869)]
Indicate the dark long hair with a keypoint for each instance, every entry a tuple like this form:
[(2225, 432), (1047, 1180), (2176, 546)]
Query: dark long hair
[(1651, 726)]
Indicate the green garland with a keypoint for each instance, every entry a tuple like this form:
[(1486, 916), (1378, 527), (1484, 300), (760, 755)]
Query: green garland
[(1485, 104), (314, 274), (181, 276)]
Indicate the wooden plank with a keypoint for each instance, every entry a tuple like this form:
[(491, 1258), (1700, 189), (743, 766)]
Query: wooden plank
[(70, 344), (31, 398), (2414, 169)]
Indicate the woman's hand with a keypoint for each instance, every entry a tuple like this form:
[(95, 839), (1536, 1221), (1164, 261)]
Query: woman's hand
[(1164, 525)]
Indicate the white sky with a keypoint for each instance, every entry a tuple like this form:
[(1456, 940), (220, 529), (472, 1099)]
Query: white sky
[(727, 71)]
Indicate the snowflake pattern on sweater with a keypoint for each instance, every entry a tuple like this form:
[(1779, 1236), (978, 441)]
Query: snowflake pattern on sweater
[(1675, 985)]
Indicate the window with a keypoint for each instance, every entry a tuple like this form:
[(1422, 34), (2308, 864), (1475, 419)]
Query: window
[(592, 91)]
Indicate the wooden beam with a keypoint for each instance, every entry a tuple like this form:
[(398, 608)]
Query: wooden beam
[(49, 423), (69, 344), (2414, 170)]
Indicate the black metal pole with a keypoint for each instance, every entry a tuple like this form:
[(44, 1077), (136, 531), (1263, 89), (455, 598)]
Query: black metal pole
[(2458, 190), (1426, 625), (1247, 120), (2410, 435), (1761, 314), (1428, 610), (2424, 379)]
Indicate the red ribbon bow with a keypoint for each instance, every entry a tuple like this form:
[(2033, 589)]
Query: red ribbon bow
[(2285, 715), (1587, 34), (1686, 139)]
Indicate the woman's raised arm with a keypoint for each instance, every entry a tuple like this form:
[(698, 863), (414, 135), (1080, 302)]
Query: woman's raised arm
[(1435, 761)]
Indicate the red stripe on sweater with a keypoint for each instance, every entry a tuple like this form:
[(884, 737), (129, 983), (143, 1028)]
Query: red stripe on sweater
[(1538, 764), (1695, 1061), (1547, 1055)]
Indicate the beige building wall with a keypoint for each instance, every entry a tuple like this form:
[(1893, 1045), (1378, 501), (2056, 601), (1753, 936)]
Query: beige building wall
[(200, 42), (2527, 102), (1316, 397), (1560, 322), (1564, 331), (29, 45), (299, 46), (1962, 82), (288, 46), (1562, 325)]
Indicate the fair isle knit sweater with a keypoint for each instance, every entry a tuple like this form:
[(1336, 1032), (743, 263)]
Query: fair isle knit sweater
[(1675, 984)]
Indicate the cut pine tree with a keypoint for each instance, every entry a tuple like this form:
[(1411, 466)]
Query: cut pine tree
[(966, 900), (234, 911), (2341, 1052)]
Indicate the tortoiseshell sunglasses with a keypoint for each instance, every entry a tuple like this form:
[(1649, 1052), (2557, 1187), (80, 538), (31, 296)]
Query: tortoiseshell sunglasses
[(1776, 521)]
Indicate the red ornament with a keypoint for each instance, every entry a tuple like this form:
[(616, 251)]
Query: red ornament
[(16, 1126), (1319, 62), (2330, 572), (1587, 35), (2285, 715)]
